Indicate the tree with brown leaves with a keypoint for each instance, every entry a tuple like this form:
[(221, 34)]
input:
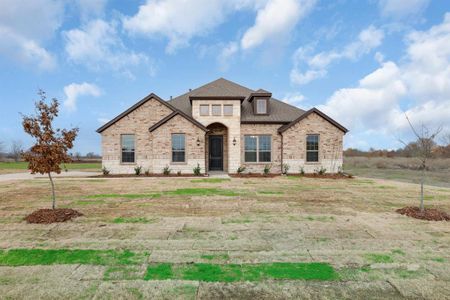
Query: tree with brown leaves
[(51, 146)]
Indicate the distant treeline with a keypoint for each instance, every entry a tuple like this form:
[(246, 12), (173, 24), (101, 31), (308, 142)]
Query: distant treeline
[(410, 150)]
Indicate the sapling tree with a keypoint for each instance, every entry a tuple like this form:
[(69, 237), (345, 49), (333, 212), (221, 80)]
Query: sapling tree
[(423, 150), (51, 145)]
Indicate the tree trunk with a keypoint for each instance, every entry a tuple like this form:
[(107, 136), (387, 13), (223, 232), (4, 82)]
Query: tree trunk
[(421, 189), (53, 191)]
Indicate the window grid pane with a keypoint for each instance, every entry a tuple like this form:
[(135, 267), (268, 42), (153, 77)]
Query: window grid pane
[(127, 141), (178, 147), (204, 110), (228, 110), (312, 148), (216, 110), (261, 106), (258, 148)]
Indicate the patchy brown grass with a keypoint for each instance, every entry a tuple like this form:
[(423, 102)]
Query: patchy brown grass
[(345, 223)]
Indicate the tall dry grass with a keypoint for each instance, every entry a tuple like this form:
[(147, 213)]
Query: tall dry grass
[(435, 164)]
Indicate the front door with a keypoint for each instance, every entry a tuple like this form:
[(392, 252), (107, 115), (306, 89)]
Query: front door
[(216, 152)]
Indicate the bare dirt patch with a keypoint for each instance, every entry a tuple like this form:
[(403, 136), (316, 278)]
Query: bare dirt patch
[(48, 216), (429, 214)]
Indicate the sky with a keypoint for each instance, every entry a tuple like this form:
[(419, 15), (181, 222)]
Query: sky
[(364, 63)]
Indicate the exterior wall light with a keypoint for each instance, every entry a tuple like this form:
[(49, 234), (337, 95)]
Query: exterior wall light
[(198, 141), (234, 141)]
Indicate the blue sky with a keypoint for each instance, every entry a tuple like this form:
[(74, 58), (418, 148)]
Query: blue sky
[(364, 63)]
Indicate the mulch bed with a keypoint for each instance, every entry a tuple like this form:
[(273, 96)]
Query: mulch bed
[(429, 214), (48, 216), (253, 175), (143, 175)]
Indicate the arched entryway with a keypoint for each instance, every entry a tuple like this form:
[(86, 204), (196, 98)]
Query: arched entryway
[(217, 147)]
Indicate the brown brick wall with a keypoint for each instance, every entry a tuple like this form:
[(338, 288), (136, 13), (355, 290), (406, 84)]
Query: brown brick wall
[(262, 129), (330, 145)]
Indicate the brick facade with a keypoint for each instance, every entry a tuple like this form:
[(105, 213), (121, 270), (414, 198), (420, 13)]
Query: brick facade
[(153, 150), (330, 145)]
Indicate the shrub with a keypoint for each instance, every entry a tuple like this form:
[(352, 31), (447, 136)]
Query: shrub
[(147, 172), (241, 170), (197, 170), (321, 171), (138, 170), (166, 170), (286, 168), (105, 171), (178, 173), (302, 171), (267, 169)]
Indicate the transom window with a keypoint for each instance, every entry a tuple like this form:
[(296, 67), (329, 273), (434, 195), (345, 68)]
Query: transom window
[(312, 148), (258, 148), (204, 110), (178, 147), (127, 146), (228, 110), (216, 109), (261, 106)]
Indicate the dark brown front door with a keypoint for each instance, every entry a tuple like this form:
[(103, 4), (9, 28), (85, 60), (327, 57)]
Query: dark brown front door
[(216, 153)]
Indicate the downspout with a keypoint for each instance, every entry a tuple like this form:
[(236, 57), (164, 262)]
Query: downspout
[(281, 152)]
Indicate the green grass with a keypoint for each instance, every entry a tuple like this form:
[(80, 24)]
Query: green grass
[(89, 202), (438, 259), (215, 256), (398, 251), (378, 258), (72, 166), (320, 218), (31, 257), (211, 180), (246, 272), (143, 220)]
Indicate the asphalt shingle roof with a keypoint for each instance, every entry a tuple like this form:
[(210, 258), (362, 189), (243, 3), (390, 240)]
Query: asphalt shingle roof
[(279, 111)]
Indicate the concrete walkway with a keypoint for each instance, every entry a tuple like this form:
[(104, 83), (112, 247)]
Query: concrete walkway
[(25, 176)]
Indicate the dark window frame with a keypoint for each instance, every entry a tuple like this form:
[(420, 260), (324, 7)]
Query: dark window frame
[(257, 150), (133, 150), (315, 148), (178, 150)]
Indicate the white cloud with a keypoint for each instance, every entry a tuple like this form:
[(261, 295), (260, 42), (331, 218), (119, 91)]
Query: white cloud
[(178, 20), (419, 86), (97, 45), (91, 8), (181, 20), (25, 26), (227, 54), (103, 120), (277, 18), (400, 8), (75, 90), (295, 99), (316, 64)]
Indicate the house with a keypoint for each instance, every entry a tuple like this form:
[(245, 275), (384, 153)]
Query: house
[(221, 126)]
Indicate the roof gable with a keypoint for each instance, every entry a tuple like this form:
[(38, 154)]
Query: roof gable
[(303, 116), (169, 117), (132, 108)]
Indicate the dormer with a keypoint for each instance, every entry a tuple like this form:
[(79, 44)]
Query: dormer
[(260, 101)]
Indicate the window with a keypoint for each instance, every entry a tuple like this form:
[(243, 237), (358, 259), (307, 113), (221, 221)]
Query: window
[(264, 148), (204, 110), (216, 110), (312, 148), (228, 110), (127, 144), (261, 106), (178, 147), (258, 148)]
